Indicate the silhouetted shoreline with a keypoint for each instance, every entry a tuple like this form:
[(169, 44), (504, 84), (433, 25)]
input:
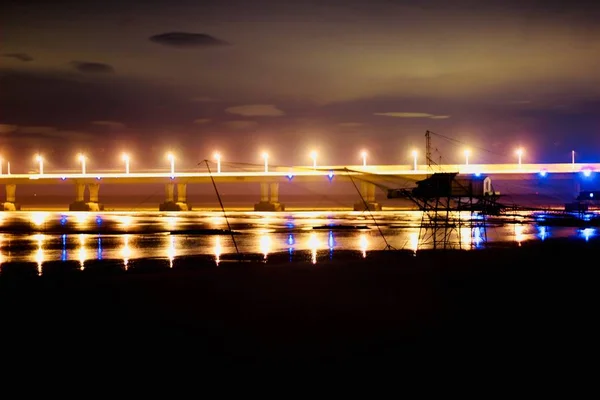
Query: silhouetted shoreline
[(503, 301)]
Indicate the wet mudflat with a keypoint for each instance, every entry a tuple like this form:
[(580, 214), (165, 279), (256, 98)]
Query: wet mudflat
[(389, 306)]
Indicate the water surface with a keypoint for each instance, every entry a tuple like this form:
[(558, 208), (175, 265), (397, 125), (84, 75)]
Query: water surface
[(41, 237)]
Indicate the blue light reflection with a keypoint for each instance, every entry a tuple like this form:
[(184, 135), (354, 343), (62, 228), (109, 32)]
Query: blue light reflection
[(587, 233), (543, 232), (99, 254), (477, 238), (63, 253)]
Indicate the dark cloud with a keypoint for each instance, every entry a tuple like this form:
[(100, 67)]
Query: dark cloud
[(19, 56), (187, 40), (256, 110), (241, 124), (92, 67), (110, 124), (6, 129), (412, 115)]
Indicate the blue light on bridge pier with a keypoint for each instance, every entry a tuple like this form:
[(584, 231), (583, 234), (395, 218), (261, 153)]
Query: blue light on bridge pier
[(98, 220), (63, 220), (477, 174), (543, 173), (64, 178), (330, 176), (290, 240), (290, 176), (587, 172)]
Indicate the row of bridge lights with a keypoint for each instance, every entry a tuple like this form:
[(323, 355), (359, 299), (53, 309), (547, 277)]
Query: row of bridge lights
[(171, 157), (217, 156)]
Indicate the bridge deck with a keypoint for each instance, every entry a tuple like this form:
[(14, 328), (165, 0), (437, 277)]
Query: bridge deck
[(306, 174)]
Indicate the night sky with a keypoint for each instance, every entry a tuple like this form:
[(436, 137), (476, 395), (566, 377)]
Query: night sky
[(338, 76)]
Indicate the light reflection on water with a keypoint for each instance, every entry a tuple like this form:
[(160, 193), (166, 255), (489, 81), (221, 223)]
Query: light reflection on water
[(519, 233), (265, 245), (171, 252), (313, 245), (39, 253), (41, 237), (218, 249), (126, 252), (588, 233), (364, 244), (83, 256)]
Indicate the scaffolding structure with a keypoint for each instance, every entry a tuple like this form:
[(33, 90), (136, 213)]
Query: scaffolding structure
[(444, 199)]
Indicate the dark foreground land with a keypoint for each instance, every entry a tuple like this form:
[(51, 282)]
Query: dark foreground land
[(534, 304)]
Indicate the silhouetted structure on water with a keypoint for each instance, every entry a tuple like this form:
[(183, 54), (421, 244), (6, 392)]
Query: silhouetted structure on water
[(444, 198)]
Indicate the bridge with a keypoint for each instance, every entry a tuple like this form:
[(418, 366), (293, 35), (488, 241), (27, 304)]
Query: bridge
[(365, 176)]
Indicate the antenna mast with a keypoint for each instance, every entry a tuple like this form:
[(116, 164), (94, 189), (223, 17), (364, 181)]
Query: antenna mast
[(428, 148)]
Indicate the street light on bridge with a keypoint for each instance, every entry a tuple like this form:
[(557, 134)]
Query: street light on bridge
[(40, 160), (363, 154), (7, 166), (265, 155), (171, 158), (467, 154), (217, 156), (313, 155), (81, 159), (125, 158), (414, 154), (520, 155)]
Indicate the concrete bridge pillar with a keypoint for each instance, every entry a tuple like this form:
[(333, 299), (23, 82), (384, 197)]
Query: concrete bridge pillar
[(181, 203), (169, 192), (576, 186), (10, 203), (181, 193), (274, 195), (264, 192), (269, 198), (175, 201), (367, 202), (80, 204), (94, 189), (79, 192)]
